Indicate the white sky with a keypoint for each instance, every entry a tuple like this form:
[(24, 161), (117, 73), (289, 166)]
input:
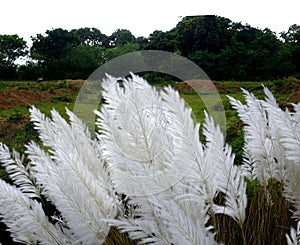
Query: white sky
[(30, 17)]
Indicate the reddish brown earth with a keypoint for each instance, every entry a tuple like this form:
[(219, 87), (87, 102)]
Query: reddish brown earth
[(294, 86), (15, 97), (291, 88), (198, 85), (204, 85), (18, 97)]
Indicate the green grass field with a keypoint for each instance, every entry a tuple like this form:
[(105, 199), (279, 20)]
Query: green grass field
[(14, 113)]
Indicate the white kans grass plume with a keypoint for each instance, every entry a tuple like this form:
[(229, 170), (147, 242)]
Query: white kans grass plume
[(26, 220), (294, 237), (156, 131), (147, 150), (70, 174), (153, 152), (272, 147), (17, 171), (263, 159), (286, 126), (227, 175), (272, 143), (68, 178)]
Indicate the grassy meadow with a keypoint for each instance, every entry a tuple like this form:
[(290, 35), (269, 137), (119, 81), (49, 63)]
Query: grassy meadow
[(16, 97), (266, 223)]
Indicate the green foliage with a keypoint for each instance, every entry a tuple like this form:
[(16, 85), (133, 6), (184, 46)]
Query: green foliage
[(22, 136), (120, 50), (16, 137), (207, 33), (159, 40), (121, 37), (292, 35), (253, 187), (31, 70), (292, 38), (224, 49), (92, 37), (15, 117), (55, 44), (12, 47), (82, 61)]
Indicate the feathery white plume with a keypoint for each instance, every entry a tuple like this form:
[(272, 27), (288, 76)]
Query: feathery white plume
[(294, 237), (26, 219), (272, 144), (88, 202), (17, 171)]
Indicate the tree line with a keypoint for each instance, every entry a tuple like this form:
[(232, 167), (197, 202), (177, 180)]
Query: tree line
[(225, 50)]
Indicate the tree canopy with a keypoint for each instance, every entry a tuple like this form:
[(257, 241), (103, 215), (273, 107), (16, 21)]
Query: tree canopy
[(225, 50), (12, 47)]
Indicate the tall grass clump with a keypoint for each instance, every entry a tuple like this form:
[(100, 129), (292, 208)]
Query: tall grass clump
[(148, 179), (272, 160)]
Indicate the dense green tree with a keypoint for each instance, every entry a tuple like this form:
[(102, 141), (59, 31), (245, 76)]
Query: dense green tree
[(120, 50), (232, 62), (210, 33), (185, 34), (292, 35), (12, 47), (91, 36), (234, 59), (121, 37), (53, 45), (73, 54), (83, 60), (217, 45), (244, 33), (255, 54), (263, 56), (292, 38), (142, 42), (222, 48), (30, 71), (286, 66), (160, 40), (207, 61)]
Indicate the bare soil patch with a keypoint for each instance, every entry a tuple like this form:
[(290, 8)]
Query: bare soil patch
[(293, 87), (196, 85), (290, 88), (17, 97)]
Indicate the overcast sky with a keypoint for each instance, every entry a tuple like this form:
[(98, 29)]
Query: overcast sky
[(30, 17)]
